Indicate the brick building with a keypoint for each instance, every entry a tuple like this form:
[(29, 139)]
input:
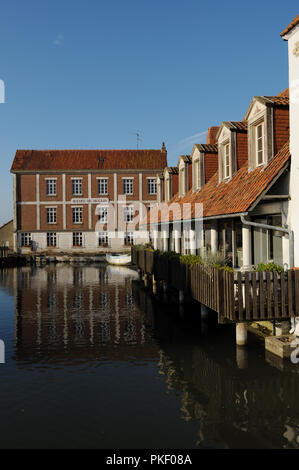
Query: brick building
[(68, 200)]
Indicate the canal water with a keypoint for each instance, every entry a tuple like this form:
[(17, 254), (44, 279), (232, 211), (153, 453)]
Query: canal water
[(95, 361)]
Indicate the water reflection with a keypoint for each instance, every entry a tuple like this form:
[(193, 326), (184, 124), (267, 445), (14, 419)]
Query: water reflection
[(183, 381), (236, 398), (67, 313)]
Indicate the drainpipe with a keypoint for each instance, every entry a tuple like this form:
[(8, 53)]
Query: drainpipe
[(279, 229)]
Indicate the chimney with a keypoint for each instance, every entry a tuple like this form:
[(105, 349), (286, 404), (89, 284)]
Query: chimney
[(211, 135)]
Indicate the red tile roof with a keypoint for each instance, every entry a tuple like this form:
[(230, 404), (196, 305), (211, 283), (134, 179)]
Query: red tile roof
[(279, 100), (284, 93), (236, 125), (186, 158), (33, 160), (207, 148), (291, 26), (172, 169), (233, 197)]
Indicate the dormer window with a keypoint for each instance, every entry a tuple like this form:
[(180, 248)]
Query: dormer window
[(182, 182), (259, 143), (226, 162), (196, 176), (184, 174), (261, 118), (227, 150), (167, 188)]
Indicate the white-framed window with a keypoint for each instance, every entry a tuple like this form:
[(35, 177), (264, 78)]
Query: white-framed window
[(259, 143), (128, 185), (128, 213), (77, 186), (51, 239), (103, 186), (128, 238), (51, 187), (226, 160), (152, 186), (51, 215), (77, 215), (103, 214), (182, 181), (103, 238), (25, 239), (196, 175), (77, 239)]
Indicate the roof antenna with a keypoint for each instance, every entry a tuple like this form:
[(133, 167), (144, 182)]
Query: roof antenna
[(138, 138)]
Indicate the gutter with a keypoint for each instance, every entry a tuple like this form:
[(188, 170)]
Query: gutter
[(197, 219), (279, 229)]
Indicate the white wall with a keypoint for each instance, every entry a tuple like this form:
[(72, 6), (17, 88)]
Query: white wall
[(293, 216)]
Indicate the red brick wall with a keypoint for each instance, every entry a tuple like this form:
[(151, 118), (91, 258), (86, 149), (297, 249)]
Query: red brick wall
[(120, 191), (69, 218), (175, 184), (94, 185), (145, 195), (242, 149), (27, 217), (69, 190), (43, 188), (211, 135), (43, 218), (211, 165), (27, 188), (281, 128), (27, 193)]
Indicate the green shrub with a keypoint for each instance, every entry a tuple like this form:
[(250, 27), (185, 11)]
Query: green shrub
[(270, 267), (191, 260)]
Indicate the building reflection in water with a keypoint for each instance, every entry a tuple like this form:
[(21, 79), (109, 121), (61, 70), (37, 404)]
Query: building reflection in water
[(90, 315), (69, 313)]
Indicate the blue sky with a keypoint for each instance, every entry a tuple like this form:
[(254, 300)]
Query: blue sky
[(88, 74)]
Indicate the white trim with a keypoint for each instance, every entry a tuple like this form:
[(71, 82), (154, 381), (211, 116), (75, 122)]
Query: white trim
[(140, 187), (63, 201), (89, 205), (37, 202), (42, 203)]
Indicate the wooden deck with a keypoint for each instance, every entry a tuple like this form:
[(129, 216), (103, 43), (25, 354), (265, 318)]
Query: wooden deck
[(236, 296)]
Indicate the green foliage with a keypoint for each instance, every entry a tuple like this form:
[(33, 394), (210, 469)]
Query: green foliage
[(270, 267), (191, 260)]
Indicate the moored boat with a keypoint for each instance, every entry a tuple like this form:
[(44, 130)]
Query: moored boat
[(118, 259)]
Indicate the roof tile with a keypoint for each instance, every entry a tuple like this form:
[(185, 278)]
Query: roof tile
[(33, 160), (290, 26), (233, 197)]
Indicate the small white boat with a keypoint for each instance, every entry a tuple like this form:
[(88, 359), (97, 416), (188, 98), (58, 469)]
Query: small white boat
[(119, 260)]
